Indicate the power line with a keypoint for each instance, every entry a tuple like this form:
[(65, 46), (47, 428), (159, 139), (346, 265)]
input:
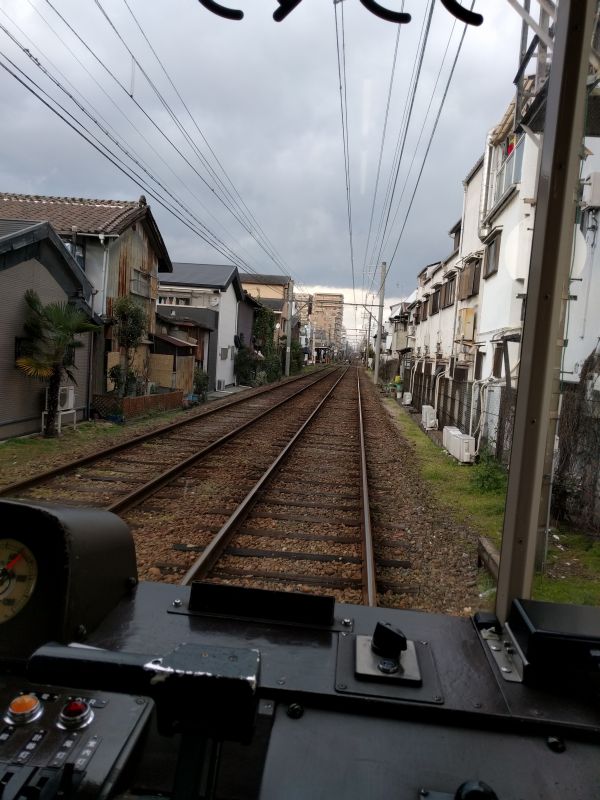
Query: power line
[(404, 132), (399, 202), (129, 155), (214, 155), (341, 63), (381, 148), (99, 147), (143, 111), (127, 117), (435, 124), (227, 198)]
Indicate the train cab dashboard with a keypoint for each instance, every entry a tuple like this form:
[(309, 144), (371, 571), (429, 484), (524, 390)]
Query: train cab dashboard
[(114, 688)]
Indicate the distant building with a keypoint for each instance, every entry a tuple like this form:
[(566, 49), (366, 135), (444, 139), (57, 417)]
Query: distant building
[(214, 287), (272, 292), (327, 318)]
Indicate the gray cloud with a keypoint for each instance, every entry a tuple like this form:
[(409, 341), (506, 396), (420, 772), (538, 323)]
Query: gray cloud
[(266, 97)]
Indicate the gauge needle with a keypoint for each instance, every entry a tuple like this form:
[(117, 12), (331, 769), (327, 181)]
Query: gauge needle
[(13, 561), (6, 569)]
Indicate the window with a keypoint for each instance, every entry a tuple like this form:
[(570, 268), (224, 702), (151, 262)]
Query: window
[(140, 283), (417, 315), (491, 257), (448, 291), (509, 172), (478, 365), (497, 366), (77, 251), (435, 301), (424, 309), (468, 284)]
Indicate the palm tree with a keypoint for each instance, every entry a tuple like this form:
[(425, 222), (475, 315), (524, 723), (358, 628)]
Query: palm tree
[(50, 338)]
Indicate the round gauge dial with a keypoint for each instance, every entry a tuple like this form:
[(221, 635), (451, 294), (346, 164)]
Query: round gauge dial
[(18, 574)]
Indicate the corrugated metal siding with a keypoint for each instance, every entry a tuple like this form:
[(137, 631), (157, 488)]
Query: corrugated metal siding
[(131, 251), (22, 398)]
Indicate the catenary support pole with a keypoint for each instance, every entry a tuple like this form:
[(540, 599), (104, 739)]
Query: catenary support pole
[(548, 276), (379, 322), (288, 327)]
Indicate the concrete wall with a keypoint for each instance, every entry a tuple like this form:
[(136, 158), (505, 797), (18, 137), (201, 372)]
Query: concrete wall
[(226, 333)]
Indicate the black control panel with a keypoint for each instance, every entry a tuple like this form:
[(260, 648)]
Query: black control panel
[(233, 694), (57, 743)]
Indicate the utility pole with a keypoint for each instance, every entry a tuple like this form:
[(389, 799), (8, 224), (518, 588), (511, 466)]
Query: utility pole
[(368, 347), (288, 328), (379, 322)]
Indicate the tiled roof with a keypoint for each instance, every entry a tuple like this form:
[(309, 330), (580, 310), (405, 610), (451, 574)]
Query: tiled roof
[(88, 216), (274, 303), (208, 276), (264, 280)]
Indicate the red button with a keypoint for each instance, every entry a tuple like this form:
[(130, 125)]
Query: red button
[(75, 708)]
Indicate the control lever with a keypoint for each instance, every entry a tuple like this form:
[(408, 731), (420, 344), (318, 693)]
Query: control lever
[(387, 641), (387, 655)]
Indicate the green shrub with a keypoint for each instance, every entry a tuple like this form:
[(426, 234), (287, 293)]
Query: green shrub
[(488, 475), (245, 366), (200, 383)]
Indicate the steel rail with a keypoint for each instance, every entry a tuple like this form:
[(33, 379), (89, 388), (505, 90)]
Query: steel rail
[(139, 494), (116, 448), (211, 554), (368, 557)]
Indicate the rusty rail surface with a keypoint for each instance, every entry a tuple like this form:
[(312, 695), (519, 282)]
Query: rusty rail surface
[(41, 477), (221, 542)]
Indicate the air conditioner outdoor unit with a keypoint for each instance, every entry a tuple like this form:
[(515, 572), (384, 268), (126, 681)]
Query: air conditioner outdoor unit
[(462, 447), (428, 419), (66, 398), (448, 432), (406, 399)]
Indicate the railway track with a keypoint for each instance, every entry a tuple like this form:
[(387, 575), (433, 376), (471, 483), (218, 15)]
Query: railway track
[(120, 476), (270, 491), (304, 524)]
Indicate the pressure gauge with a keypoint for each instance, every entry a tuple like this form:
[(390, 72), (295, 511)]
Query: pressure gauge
[(18, 574)]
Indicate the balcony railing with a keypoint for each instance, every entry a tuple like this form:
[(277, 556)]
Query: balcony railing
[(509, 173)]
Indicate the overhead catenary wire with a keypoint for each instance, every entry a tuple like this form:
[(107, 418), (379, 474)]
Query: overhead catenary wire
[(206, 142), (99, 147), (421, 132), (183, 208), (402, 137), (157, 127), (341, 65), (431, 136), (223, 193), (238, 261), (381, 149), (126, 117), (341, 68)]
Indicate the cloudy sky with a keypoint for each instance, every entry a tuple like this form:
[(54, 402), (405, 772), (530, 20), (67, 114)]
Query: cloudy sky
[(264, 99)]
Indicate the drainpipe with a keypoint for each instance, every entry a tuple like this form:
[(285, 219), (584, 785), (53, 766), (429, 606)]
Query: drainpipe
[(413, 371), (91, 361), (485, 186), (474, 384), (104, 273), (435, 390)]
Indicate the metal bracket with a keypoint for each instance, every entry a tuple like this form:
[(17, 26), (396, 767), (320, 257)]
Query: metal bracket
[(373, 667), (506, 653)]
